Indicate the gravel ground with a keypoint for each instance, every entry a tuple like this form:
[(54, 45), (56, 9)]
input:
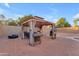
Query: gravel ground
[(61, 46)]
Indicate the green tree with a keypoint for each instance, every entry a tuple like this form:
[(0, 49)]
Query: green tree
[(67, 24), (24, 18), (11, 22), (1, 22), (75, 21), (2, 19), (62, 23)]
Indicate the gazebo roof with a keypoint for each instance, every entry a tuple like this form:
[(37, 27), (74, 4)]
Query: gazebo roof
[(39, 21)]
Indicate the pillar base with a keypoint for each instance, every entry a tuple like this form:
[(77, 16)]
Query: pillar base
[(32, 45)]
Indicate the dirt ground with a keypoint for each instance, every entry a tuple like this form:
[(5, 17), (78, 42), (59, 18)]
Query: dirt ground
[(66, 44)]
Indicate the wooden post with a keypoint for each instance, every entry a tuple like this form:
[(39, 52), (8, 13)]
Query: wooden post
[(54, 32), (32, 26), (22, 27)]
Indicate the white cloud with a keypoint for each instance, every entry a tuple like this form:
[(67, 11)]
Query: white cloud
[(53, 10), (15, 16), (55, 20), (7, 5), (76, 16), (2, 11), (18, 15), (9, 14), (48, 17)]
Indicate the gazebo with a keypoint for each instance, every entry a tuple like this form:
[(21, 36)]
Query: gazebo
[(36, 21)]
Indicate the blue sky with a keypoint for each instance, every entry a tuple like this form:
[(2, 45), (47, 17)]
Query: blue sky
[(50, 11)]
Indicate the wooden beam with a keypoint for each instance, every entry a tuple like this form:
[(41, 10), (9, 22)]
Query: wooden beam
[(38, 20)]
